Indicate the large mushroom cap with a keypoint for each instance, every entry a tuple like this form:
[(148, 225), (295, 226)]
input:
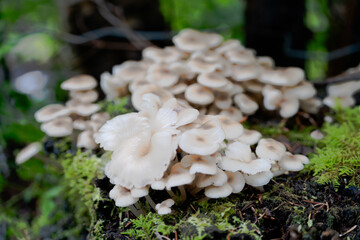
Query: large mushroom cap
[(50, 112), (190, 40), (140, 161), (79, 83)]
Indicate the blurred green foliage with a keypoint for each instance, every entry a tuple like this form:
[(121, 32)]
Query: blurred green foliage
[(227, 16)]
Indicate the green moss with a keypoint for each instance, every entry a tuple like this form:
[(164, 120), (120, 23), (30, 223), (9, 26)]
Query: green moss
[(80, 172), (219, 216), (117, 106), (338, 154)]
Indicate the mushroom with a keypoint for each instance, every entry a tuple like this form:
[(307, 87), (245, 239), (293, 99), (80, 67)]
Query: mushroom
[(28, 152), (212, 80), (232, 112), (316, 134), (190, 40), (131, 71), (291, 162), (245, 103), (84, 96), (51, 112), (249, 137), (200, 164), (198, 94), (162, 55), (240, 56), (258, 179), (231, 128), (290, 76), (161, 75), (86, 140), (136, 97), (123, 198), (59, 127), (270, 149), (164, 207), (79, 83)]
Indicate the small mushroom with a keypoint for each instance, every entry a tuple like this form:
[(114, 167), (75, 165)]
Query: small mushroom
[(289, 76), (212, 80), (84, 96), (316, 134), (28, 152), (232, 112), (86, 140), (51, 112), (258, 179), (198, 94), (122, 196), (245, 104), (161, 75), (59, 127), (190, 40), (164, 207), (79, 83), (292, 162), (271, 149), (231, 128), (200, 164), (162, 55), (249, 137)]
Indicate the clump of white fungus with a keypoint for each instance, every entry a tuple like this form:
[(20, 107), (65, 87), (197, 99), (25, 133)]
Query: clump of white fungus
[(187, 133)]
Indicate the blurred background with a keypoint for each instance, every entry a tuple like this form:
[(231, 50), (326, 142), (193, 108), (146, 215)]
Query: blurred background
[(43, 42)]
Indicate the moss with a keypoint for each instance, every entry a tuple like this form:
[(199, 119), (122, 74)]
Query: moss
[(117, 106), (80, 172), (337, 156)]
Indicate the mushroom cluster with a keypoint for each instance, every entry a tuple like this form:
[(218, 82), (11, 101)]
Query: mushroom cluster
[(169, 144), (78, 116), (213, 76)]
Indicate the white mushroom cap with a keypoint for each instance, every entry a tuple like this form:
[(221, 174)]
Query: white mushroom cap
[(28, 152), (218, 191), (200, 164), (249, 137), (159, 184), (212, 80), (198, 94), (240, 56), (293, 162), (202, 65), (86, 140), (205, 140), (316, 134), (343, 89), (190, 40), (136, 97), (50, 112), (304, 90), (122, 196), (270, 149), (177, 88), (311, 105), (139, 192), (259, 179), (185, 114), (161, 75), (84, 96), (79, 83), (266, 61), (183, 69), (246, 104), (245, 72), (164, 207), (253, 86), (222, 100), (236, 180), (289, 107), (140, 161), (131, 70), (113, 86), (272, 97), (120, 129), (219, 179), (228, 45), (59, 127), (345, 101), (162, 55), (231, 128), (232, 112), (290, 76), (86, 109), (179, 175), (252, 167)]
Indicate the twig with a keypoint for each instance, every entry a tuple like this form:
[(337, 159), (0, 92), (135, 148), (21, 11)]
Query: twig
[(339, 79), (348, 231), (119, 21)]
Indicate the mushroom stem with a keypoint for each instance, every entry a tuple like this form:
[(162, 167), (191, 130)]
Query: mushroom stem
[(195, 191), (182, 193), (260, 188), (150, 201), (134, 211), (139, 208), (203, 199), (171, 193)]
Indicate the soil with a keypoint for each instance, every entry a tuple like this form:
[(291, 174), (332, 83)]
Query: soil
[(289, 208)]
